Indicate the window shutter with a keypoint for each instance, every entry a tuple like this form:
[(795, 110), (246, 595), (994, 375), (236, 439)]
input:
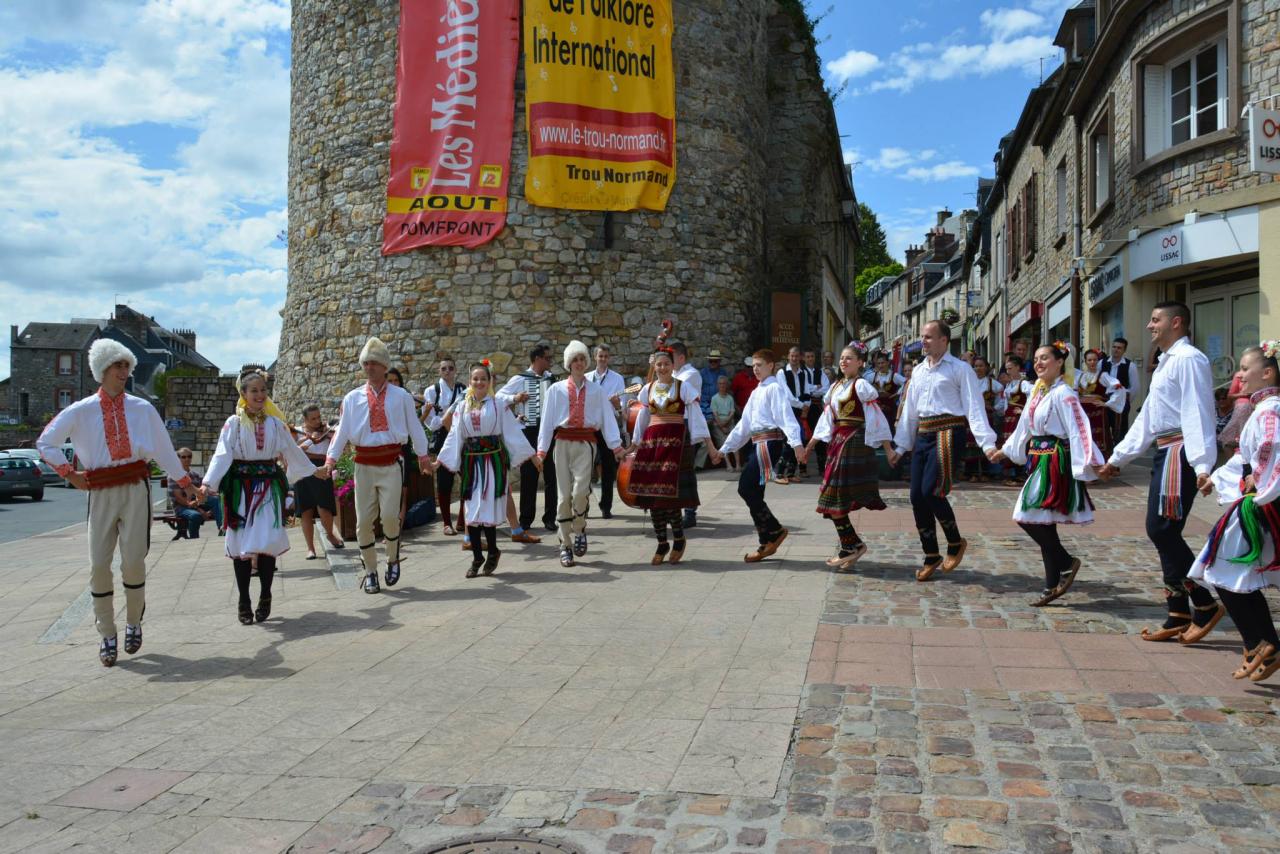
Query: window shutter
[(1155, 119), (1033, 214)]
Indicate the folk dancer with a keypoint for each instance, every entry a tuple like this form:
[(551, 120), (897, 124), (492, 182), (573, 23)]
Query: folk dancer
[(975, 464), (314, 495), (575, 414), (253, 488), (853, 425), (485, 442), (1126, 372), (792, 376), (527, 391), (1178, 417), (114, 434), (690, 376), (667, 426), (613, 386), (1016, 391), (1053, 440), (436, 400), (889, 385), (1101, 395), (769, 423), (378, 418), (817, 385), (943, 395), (1242, 554)]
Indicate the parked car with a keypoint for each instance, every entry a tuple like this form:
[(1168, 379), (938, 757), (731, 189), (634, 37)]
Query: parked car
[(47, 472), (21, 476)]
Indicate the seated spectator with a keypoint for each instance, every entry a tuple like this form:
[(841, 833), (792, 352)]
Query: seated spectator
[(192, 514), (724, 410)]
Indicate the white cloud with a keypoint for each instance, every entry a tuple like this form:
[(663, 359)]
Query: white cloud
[(941, 171), (1006, 23), (855, 63), (166, 229)]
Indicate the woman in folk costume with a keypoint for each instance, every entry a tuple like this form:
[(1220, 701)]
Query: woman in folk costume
[(852, 425), (253, 487), (1052, 437), (668, 425), (114, 434), (975, 464), (1099, 392), (888, 385), (485, 442), (1016, 392), (1241, 556)]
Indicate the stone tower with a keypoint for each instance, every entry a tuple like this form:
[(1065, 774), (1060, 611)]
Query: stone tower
[(552, 274)]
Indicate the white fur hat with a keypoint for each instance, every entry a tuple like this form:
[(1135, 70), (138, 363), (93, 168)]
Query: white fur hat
[(575, 349), (375, 351), (105, 352)]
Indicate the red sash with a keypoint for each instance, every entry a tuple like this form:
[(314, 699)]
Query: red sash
[(138, 470), (377, 455), (576, 434)]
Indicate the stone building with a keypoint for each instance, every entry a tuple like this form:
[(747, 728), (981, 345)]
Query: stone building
[(755, 245), (1126, 181)]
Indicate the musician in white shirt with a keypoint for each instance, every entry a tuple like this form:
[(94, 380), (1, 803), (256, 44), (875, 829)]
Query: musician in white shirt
[(692, 377), (436, 401), (575, 414), (114, 435), (1178, 416), (527, 390), (614, 386), (378, 419), (941, 398)]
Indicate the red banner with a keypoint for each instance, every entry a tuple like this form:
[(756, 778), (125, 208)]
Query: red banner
[(455, 106)]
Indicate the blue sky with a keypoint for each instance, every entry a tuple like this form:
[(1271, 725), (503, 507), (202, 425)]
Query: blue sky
[(143, 144)]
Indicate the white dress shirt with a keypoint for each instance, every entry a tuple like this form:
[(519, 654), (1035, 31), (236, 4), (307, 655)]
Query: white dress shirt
[(611, 381), (1135, 374), (318, 449), (1180, 400), (82, 424), (437, 401), (818, 383), (402, 422), (768, 408), (947, 388), (689, 375), (597, 414)]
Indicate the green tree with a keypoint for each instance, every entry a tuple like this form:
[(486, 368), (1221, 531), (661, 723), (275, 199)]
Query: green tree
[(868, 276), (874, 249)]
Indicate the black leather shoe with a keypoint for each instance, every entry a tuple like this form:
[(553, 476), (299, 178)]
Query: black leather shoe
[(606, 514), (264, 609), (246, 613)]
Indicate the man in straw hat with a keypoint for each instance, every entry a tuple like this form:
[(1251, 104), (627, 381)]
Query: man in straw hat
[(575, 411), (378, 418), (114, 435)]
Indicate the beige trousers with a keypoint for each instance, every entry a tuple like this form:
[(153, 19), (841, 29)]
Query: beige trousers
[(119, 515), (574, 462), (378, 495)]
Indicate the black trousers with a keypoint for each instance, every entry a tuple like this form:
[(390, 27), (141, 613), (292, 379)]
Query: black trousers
[(820, 449), (529, 486), (751, 490), (1117, 424), (608, 473), (785, 463), (928, 469), (1176, 556)]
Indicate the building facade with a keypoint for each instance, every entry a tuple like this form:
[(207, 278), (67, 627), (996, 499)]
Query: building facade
[(754, 247)]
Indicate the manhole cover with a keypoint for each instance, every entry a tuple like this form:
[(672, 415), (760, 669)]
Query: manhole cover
[(503, 845)]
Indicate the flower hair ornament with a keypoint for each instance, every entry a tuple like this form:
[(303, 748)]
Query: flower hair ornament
[(1270, 348), (858, 347)]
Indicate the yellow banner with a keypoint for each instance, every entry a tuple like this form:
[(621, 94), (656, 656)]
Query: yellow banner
[(600, 104)]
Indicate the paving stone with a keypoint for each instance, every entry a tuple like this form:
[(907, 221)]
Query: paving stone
[(590, 818), (693, 837), (628, 843), (534, 803), (966, 834), (752, 837)]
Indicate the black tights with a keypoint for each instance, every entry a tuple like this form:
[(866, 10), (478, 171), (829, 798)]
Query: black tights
[(661, 518), (1252, 616), (1056, 559), (266, 574), (490, 536), (849, 539)]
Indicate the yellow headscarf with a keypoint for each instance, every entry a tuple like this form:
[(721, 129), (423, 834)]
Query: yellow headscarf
[(247, 418)]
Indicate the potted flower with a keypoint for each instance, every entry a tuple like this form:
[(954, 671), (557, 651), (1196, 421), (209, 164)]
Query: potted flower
[(344, 491), (950, 316)]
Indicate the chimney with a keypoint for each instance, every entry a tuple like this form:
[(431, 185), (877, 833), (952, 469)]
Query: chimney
[(13, 334), (914, 254), (943, 216)]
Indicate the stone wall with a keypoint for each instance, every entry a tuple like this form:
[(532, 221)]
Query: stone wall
[(33, 371), (552, 274), (202, 404)]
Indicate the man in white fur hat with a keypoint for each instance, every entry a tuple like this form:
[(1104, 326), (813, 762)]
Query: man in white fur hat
[(378, 418), (114, 435), (574, 413)]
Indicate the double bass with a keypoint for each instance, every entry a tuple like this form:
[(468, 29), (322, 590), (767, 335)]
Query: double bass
[(633, 412)]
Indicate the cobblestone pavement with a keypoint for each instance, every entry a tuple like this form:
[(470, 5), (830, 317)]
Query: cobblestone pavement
[(618, 707)]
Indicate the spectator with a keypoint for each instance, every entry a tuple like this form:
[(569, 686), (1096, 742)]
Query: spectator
[(723, 415), (744, 382), (193, 513)]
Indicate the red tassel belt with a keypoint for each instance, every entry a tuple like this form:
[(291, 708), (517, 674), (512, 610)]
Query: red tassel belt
[(377, 455), (576, 434), (118, 475), (665, 418), (936, 423), (1164, 440)]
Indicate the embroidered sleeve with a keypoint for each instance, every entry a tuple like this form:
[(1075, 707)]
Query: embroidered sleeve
[(1266, 459)]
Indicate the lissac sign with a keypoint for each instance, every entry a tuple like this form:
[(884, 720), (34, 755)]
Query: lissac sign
[(1264, 140)]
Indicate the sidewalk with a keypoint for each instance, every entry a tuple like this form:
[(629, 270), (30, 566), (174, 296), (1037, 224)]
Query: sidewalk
[(615, 706)]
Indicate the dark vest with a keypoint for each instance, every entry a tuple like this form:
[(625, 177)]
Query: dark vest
[(1121, 372)]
